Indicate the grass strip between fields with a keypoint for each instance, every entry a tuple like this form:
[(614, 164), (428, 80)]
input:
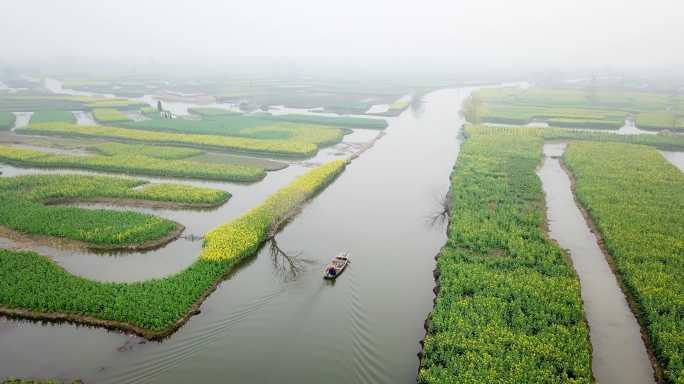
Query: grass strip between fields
[(508, 306), (32, 286), (279, 148), (634, 197)]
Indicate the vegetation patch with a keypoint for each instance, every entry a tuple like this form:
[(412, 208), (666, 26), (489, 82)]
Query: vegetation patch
[(52, 116), (7, 120), (135, 160), (575, 108), (32, 286), (508, 304), (660, 120), (633, 195), (212, 112), (109, 115), (281, 148), (24, 209), (662, 140), (342, 121), (244, 126)]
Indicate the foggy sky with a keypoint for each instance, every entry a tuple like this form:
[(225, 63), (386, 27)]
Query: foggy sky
[(482, 33)]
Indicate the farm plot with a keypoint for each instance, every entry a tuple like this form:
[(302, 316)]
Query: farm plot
[(52, 116), (109, 115), (244, 126), (278, 148), (135, 160), (633, 196), (26, 209), (342, 121), (508, 303), (573, 108), (7, 120), (33, 286), (662, 141)]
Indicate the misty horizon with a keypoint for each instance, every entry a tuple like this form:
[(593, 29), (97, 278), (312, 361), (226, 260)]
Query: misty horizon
[(475, 37)]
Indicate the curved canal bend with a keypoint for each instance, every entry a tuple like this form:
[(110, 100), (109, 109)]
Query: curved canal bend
[(618, 351), (275, 320)]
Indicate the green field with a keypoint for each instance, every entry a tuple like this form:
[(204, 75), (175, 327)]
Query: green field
[(7, 120), (243, 126), (634, 197), (660, 120), (508, 307), (135, 160), (52, 116), (574, 108), (156, 307), (279, 148), (342, 121), (24, 208), (109, 115), (670, 142)]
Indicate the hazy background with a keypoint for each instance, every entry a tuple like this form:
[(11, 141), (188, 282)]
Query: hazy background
[(496, 35)]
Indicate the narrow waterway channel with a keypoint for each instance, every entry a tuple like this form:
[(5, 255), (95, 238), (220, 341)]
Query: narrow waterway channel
[(619, 355), (275, 320), (676, 158)]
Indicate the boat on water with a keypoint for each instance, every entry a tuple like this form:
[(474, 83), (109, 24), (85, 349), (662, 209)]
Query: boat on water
[(336, 266)]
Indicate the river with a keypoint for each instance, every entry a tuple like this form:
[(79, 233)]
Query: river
[(275, 320)]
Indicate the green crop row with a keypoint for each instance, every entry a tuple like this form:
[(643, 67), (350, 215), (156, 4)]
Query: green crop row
[(243, 126), (508, 308), (52, 116), (23, 208), (64, 103), (156, 307), (224, 143), (121, 158), (7, 120), (109, 115), (634, 197), (662, 141), (342, 121)]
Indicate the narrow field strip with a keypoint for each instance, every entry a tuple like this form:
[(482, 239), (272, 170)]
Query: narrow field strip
[(283, 148), (672, 142), (634, 196), (32, 286), (508, 303), (135, 160)]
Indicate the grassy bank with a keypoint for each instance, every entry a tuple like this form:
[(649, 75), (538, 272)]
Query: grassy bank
[(23, 208), (32, 286), (280, 148), (508, 307), (634, 196)]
